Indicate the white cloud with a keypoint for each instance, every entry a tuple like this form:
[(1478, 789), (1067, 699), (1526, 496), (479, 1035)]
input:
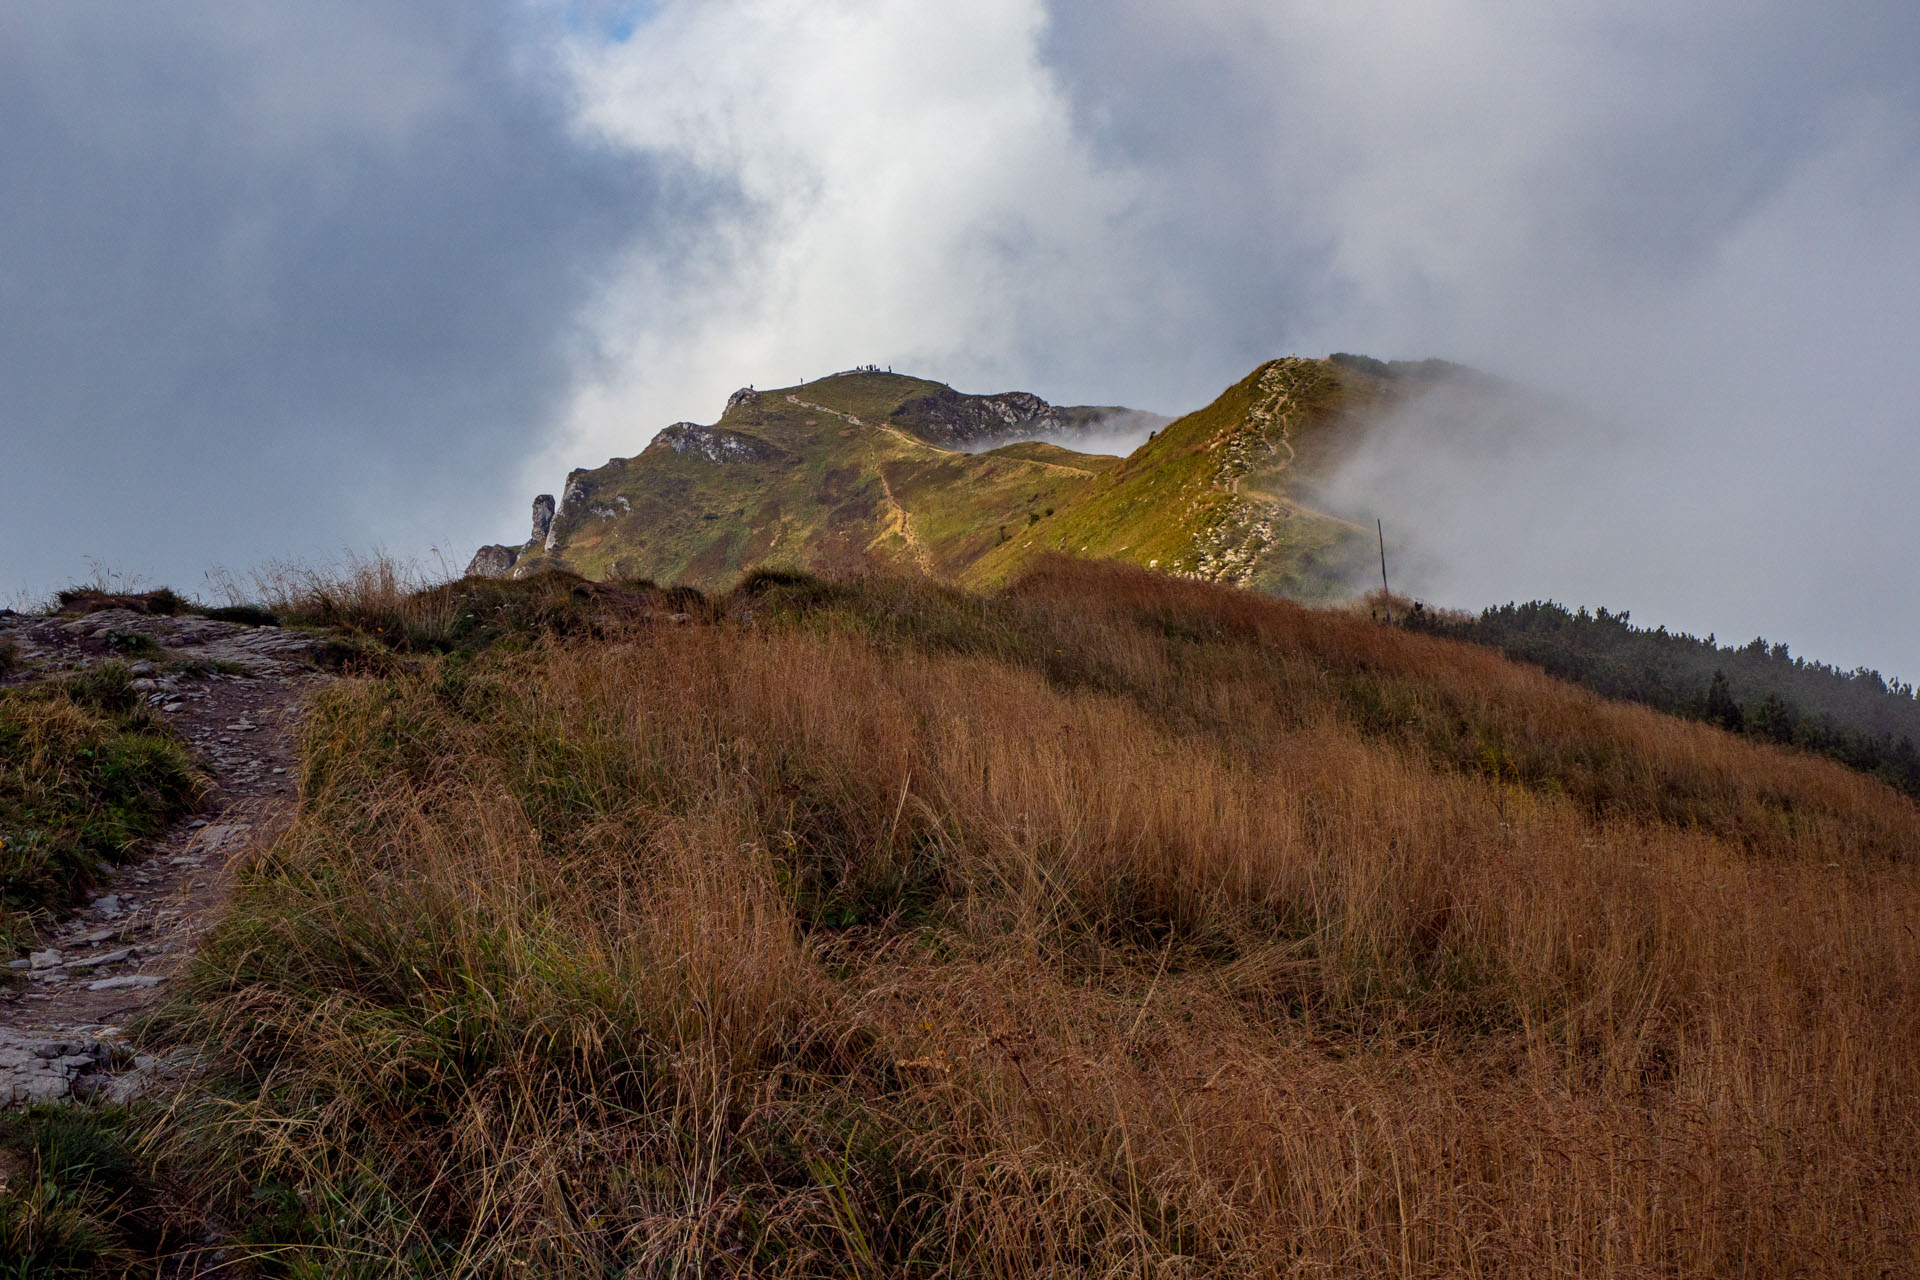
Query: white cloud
[(1699, 222), (332, 276), (910, 191)]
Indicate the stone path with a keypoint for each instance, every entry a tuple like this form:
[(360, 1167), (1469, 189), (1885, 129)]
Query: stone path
[(237, 694)]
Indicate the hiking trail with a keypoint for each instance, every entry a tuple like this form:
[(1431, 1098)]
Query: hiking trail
[(237, 696)]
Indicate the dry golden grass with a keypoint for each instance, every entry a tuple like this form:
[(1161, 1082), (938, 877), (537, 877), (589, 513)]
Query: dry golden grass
[(1114, 926)]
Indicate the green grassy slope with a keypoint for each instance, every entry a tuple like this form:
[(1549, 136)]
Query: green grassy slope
[(1226, 493), (821, 475), (847, 472)]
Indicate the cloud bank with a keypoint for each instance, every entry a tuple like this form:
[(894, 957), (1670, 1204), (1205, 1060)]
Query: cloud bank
[(374, 275), (1700, 229), (278, 280)]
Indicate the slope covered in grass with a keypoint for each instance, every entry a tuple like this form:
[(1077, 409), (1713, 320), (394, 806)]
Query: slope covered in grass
[(87, 771), (1107, 925), (1857, 717), (860, 470), (847, 472)]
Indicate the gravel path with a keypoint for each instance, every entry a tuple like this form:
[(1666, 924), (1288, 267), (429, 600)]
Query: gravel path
[(237, 694)]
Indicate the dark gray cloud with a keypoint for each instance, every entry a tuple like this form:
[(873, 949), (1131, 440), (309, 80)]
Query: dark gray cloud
[(277, 280), (1699, 224), (283, 281)]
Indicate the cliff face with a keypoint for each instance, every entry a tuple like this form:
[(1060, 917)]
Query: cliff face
[(870, 469), (497, 560)]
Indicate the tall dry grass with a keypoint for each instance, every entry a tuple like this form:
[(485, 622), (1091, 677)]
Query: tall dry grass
[(1108, 927)]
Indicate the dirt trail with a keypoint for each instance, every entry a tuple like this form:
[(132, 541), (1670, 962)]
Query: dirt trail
[(900, 522), (887, 427), (238, 696)]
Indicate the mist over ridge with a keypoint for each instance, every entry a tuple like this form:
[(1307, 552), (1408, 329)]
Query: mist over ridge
[(287, 283)]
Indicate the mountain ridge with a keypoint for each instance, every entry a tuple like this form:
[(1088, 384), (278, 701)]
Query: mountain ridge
[(869, 468)]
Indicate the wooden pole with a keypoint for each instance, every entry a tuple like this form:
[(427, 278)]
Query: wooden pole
[(1386, 595)]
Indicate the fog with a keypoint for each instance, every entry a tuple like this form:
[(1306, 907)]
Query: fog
[(374, 274)]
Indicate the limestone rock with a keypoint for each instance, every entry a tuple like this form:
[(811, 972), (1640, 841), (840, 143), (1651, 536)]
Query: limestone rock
[(33, 1071), (493, 561), (570, 498), (745, 395), (717, 444), (543, 509)]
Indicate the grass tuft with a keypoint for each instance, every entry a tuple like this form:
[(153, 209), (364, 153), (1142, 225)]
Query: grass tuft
[(87, 772), (75, 1200)]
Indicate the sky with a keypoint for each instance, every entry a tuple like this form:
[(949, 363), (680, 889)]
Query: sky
[(283, 282)]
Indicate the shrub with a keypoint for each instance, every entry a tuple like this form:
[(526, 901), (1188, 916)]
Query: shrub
[(95, 600)]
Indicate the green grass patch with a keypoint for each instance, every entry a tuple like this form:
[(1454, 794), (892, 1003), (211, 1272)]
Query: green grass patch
[(75, 1199), (87, 772)]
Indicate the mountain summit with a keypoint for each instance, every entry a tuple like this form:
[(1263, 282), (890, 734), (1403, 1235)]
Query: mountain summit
[(872, 468)]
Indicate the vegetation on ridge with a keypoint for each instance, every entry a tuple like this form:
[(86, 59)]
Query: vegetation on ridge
[(838, 474), (1856, 717), (852, 473), (1109, 924)]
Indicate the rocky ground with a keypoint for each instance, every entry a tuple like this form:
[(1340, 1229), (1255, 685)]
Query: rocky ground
[(237, 695)]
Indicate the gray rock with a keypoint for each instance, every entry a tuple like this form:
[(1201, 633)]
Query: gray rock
[(126, 981), (493, 561), (34, 1071), (44, 959), (745, 395), (571, 497), (219, 836), (719, 445), (543, 509), (111, 957)]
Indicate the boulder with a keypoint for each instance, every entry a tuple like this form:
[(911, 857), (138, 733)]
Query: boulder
[(492, 562)]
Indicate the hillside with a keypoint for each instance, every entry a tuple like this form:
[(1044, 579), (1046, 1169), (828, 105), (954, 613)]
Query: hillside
[(1120, 926), (1857, 717), (852, 471), (869, 469)]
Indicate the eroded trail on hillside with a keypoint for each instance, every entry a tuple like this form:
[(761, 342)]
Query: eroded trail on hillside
[(237, 695), (899, 520), (888, 427)]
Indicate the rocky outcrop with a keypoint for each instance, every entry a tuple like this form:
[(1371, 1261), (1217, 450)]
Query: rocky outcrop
[(494, 561), (570, 501), (955, 420), (745, 395), (717, 444), (543, 508), (35, 1070)]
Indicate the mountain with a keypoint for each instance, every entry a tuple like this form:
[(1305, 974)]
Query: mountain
[(876, 469)]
